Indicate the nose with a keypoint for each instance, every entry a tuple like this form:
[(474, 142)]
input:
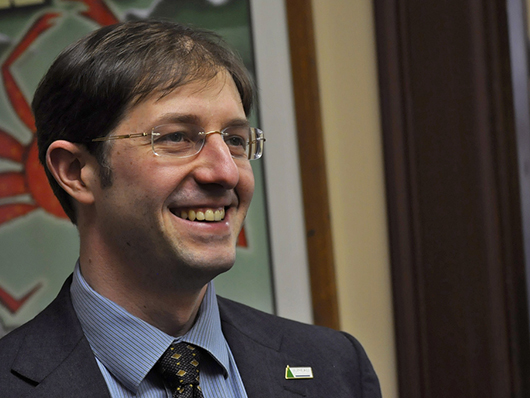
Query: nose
[(216, 165)]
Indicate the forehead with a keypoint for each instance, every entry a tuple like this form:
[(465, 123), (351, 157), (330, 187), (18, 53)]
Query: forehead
[(203, 100)]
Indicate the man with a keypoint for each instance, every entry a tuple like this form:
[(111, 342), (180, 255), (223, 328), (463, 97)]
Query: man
[(143, 131)]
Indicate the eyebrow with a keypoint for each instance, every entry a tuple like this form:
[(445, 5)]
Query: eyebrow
[(179, 118), (195, 119)]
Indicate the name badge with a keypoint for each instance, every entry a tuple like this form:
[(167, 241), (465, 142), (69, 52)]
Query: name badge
[(298, 372)]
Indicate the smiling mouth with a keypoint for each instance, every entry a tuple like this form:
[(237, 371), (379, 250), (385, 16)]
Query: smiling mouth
[(210, 215)]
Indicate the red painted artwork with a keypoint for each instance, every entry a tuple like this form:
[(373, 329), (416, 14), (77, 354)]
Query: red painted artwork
[(31, 180)]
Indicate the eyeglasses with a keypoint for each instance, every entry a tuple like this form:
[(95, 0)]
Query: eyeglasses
[(182, 140)]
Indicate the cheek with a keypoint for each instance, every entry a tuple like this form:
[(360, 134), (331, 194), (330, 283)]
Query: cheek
[(137, 168), (245, 187), (137, 183)]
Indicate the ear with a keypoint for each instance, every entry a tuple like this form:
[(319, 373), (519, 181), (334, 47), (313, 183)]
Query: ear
[(73, 167)]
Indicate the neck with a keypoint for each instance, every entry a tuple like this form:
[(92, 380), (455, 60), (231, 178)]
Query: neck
[(160, 291), (165, 305)]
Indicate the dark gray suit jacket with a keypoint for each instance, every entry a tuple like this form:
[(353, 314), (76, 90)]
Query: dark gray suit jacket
[(49, 357)]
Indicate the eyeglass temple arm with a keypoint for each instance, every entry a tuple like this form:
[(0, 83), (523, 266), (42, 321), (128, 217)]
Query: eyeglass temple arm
[(119, 137)]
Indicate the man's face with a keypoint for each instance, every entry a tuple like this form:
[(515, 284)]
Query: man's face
[(138, 218)]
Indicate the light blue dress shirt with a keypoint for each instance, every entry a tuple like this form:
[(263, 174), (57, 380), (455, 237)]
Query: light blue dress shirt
[(126, 347)]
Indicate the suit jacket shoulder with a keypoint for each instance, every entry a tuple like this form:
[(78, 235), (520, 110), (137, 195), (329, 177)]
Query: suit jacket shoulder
[(50, 357), (263, 345)]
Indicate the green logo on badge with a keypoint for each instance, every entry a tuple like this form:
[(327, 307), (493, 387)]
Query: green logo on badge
[(298, 373)]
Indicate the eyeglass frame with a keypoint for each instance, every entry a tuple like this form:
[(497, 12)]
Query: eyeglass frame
[(251, 142)]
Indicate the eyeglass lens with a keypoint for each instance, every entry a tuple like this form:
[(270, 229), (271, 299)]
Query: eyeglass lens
[(183, 140)]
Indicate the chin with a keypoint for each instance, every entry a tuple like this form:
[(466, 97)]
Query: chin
[(212, 263), (219, 265)]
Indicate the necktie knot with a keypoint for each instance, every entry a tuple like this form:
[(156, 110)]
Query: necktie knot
[(179, 368)]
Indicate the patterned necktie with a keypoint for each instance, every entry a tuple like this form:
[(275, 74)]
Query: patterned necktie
[(179, 367)]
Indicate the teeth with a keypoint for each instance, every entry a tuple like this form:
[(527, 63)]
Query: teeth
[(217, 216), (207, 215)]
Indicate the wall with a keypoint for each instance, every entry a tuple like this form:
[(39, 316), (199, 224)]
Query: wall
[(346, 60)]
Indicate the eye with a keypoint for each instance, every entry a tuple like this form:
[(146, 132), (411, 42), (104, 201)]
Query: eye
[(235, 141), (172, 134), (175, 137), (236, 137)]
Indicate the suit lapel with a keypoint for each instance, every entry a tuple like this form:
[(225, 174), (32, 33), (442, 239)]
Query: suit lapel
[(55, 357), (257, 353)]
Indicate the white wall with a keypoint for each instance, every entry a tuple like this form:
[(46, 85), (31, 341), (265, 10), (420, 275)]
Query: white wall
[(346, 60)]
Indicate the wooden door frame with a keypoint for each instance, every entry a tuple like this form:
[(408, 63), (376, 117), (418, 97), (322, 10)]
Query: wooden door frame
[(312, 163)]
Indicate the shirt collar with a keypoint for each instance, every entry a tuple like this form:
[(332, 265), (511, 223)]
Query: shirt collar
[(128, 346)]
